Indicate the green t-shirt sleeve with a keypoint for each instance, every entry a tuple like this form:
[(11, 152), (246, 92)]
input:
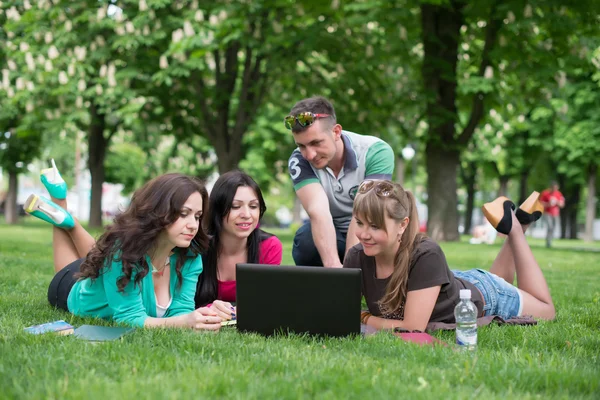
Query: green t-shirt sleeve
[(379, 163), (127, 306), (183, 299)]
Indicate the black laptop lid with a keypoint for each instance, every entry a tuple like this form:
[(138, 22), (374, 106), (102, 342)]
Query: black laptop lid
[(321, 301)]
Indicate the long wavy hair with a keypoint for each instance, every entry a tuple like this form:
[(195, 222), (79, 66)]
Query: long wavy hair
[(220, 201), (134, 233), (397, 204)]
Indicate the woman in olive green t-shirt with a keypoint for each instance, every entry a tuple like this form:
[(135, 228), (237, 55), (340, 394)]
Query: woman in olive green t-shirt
[(406, 280)]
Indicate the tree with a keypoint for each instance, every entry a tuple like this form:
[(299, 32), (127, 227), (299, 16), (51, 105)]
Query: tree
[(578, 136), (19, 138), (445, 28), (18, 147), (225, 61), (441, 35), (72, 52)]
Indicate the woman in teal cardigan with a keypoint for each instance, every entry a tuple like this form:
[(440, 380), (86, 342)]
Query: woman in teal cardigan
[(144, 269)]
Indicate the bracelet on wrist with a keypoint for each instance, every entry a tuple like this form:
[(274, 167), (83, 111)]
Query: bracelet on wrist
[(364, 317)]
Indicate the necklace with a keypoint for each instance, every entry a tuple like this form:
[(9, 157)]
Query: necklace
[(162, 270)]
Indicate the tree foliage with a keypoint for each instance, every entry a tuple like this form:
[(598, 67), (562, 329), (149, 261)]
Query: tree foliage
[(193, 86)]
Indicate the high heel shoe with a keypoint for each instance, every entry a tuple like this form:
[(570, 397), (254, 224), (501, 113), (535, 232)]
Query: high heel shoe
[(54, 183), (48, 211), (498, 213), (531, 210)]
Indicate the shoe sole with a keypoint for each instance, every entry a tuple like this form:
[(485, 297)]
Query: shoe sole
[(531, 204), (494, 211)]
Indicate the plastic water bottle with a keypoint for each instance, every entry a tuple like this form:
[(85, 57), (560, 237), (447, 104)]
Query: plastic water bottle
[(465, 314)]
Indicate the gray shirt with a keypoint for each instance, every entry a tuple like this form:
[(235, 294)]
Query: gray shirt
[(367, 157)]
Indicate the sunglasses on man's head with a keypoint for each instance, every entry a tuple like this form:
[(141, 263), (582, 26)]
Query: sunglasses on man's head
[(382, 188), (303, 119)]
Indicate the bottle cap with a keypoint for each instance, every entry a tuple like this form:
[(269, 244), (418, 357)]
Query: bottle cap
[(465, 294)]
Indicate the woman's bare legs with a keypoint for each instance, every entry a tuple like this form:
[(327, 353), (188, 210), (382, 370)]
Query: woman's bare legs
[(69, 245), (537, 300), (504, 264), (63, 248), (516, 257)]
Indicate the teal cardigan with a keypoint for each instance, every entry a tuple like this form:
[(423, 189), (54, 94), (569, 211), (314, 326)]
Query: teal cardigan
[(101, 297)]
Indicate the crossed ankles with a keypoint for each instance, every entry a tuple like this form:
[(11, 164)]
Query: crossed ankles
[(531, 210), (45, 209), (49, 211), (498, 212), (54, 183)]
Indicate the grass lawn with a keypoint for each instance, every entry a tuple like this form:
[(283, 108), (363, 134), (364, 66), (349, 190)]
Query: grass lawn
[(551, 360)]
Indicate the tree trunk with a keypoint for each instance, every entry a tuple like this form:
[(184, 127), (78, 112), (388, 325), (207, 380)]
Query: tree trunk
[(442, 201), (97, 145), (568, 214), (469, 177), (233, 107), (400, 170), (503, 190), (572, 206), (441, 36), (11, 214), (590, 210), (564, 212), (523, 192), (229, 155)]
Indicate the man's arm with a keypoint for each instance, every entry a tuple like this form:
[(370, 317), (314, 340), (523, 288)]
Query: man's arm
[(315, 202)]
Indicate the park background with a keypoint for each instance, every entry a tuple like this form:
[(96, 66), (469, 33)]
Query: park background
[(477, 99)]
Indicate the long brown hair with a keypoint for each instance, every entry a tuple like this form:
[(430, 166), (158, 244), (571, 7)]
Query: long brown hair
[(220, 201), (376, 203), (154, 206)]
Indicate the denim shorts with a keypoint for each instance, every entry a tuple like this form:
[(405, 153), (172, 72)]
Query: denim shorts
[(501, 298)]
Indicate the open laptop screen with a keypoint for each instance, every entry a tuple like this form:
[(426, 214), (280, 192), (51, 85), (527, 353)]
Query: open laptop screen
[(280, 299), (321, 301)]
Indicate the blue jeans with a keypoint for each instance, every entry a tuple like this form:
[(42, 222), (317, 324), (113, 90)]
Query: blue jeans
[(501, 298), (305, 252)]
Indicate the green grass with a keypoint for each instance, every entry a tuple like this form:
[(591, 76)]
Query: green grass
[(551, 360)]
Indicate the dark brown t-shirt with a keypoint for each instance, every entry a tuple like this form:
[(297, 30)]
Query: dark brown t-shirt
[(428, 268)]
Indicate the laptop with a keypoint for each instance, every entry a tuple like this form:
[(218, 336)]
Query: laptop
[(282, 299)]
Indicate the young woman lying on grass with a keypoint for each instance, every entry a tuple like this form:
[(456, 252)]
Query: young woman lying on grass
[(236, 206), (406, 280), (144, 268)]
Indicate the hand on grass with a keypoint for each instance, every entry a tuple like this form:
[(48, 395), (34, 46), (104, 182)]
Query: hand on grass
[(204, 318)]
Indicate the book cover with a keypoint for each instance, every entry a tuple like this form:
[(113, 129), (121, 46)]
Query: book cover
[(101, 333), (61, 327)]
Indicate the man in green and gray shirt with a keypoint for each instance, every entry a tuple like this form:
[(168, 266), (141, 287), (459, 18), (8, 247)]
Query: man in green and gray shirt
[(326, 169)]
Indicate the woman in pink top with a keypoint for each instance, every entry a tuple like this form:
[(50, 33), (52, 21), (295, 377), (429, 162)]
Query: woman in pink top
[(235, 208)]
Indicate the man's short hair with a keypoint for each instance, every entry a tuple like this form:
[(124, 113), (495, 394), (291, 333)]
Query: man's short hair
[(315, 105)]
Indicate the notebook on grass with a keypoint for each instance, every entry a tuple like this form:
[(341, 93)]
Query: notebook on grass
[(101, 333)]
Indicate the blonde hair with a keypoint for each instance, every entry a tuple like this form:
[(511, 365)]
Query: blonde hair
[(374, 205)]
